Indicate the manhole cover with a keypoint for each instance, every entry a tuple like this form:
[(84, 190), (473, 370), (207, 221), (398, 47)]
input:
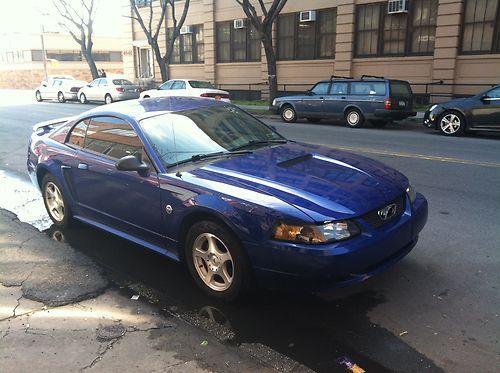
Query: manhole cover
[(107, 333)]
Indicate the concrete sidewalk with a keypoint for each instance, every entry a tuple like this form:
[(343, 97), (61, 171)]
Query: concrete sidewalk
[(59, 313)]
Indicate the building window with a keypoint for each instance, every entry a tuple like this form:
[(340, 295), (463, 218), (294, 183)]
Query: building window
[(188, 48), (382, 34), (142, 3), (237, 44), (36, 55), (307, 40), (423, 25), (481, 23)]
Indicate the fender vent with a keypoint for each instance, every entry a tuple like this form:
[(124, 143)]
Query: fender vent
[(294, 161)]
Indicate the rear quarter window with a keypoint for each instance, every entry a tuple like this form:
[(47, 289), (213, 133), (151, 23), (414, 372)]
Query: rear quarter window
[(400, 89), (368, 88)]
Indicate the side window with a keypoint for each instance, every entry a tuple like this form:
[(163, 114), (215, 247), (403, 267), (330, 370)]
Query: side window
[(368, 88), (95, 83), (77, 136), (166, 86), (321, 88), (178, 84), (56, 83), (113, 138), (494, 93), (103, 83), (338, 89)]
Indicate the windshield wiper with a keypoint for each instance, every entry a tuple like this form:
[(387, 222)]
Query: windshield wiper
[(199, 157), (260, 142)]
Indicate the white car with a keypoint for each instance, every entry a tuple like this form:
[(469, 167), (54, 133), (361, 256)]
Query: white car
[(187, 87), (62, 88)]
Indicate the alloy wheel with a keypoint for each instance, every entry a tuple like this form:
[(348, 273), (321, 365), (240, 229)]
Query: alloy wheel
[(83, 98), (60, 97), (54, 201), (38, 96), (450, 124), (213, 262), (353, 118), (108, 99)]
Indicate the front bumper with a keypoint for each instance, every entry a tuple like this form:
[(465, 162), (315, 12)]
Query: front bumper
[(431, 119), (342, 263)]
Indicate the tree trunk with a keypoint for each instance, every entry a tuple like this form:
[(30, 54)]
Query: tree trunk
[(90, 61), (271, 66), (160, 61)]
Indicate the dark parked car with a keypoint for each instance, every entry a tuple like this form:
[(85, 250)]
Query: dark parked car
[(370, 98), (477, 113), (203, 182)]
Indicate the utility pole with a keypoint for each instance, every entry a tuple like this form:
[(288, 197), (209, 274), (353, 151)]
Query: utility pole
[(44, 55)]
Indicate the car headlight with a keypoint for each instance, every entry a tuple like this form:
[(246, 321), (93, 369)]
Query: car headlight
[(316, 234), (432, 107), (274, 102), (411, 193)]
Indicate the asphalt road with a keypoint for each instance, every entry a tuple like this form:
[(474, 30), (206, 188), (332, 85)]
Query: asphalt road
[(436, 310)]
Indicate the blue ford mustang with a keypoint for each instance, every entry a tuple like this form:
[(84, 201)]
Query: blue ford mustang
[(206, 183)]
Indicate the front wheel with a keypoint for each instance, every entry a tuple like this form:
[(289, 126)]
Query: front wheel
[(60, 97), (38, 96), (55, 202), (452, 124), (83, 98), (217, 262), (354, 118), (288, 114)]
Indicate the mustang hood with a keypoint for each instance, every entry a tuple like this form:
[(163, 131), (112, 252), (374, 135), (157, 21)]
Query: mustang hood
[(325, 184)]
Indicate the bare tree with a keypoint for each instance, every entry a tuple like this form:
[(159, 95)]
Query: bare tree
[(264, 26), (152, 32), (79, 22)]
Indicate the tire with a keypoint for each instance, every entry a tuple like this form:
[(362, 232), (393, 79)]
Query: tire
[(108, 99), (379, 123), (38, 96), (56, 204), (60, 97), (353, 118), (288, 114), (217, 262), (451, 123), (83, 98), (313, 120)]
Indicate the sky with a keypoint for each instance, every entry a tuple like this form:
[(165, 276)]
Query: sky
[(25, 16)]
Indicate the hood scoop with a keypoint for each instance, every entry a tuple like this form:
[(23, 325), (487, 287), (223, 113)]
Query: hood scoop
[(294, 161)]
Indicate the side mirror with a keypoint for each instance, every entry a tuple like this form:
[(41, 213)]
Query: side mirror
[(44, 84), (131, 163), (484, 98), (309, 92)]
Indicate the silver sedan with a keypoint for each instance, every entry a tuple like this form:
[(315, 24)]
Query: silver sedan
[(108, 90)]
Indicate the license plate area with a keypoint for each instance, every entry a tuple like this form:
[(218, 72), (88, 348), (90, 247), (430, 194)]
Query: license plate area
[(402, 103)]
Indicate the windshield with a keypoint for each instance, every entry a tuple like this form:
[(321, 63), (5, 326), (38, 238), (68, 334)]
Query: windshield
[(200, 84), (178, 136), (122, 82)]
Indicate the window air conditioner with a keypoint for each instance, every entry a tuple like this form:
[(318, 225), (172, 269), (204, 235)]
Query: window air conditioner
[(186, 30), (307, 16), (239, 23), (397, 6)]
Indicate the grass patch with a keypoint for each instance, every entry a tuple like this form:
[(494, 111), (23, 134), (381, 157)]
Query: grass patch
[(250, 103)]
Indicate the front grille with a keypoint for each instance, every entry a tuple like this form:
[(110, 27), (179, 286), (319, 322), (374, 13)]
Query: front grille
[(374, 219)]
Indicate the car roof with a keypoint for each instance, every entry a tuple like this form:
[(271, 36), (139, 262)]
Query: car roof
[(144, 108)]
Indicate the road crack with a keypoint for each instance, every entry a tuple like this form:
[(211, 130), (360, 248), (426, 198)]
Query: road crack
[(100, 355)]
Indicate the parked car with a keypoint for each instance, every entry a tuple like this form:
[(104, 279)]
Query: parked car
[(62, 88), (187, 87), (477, 113), (206, 183), (109, 90), (375, 99)]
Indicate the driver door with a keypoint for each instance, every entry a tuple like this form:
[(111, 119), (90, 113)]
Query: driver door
[(123, 200), (486, 110), (312, 105)]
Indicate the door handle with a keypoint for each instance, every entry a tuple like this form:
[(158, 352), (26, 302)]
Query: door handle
[(321, 98), (83, 166), (343, 97)]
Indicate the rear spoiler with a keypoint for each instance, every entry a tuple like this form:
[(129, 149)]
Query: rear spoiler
[(51, 123)]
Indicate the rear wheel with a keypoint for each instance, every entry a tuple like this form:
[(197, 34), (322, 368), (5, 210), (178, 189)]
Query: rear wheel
[(313, 120), (353, 118), (379, 123), (452, 123), (60, 97), (83, 98), (55, 202), (216, 261), (288, 114), (38, 96), (108, 99)]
